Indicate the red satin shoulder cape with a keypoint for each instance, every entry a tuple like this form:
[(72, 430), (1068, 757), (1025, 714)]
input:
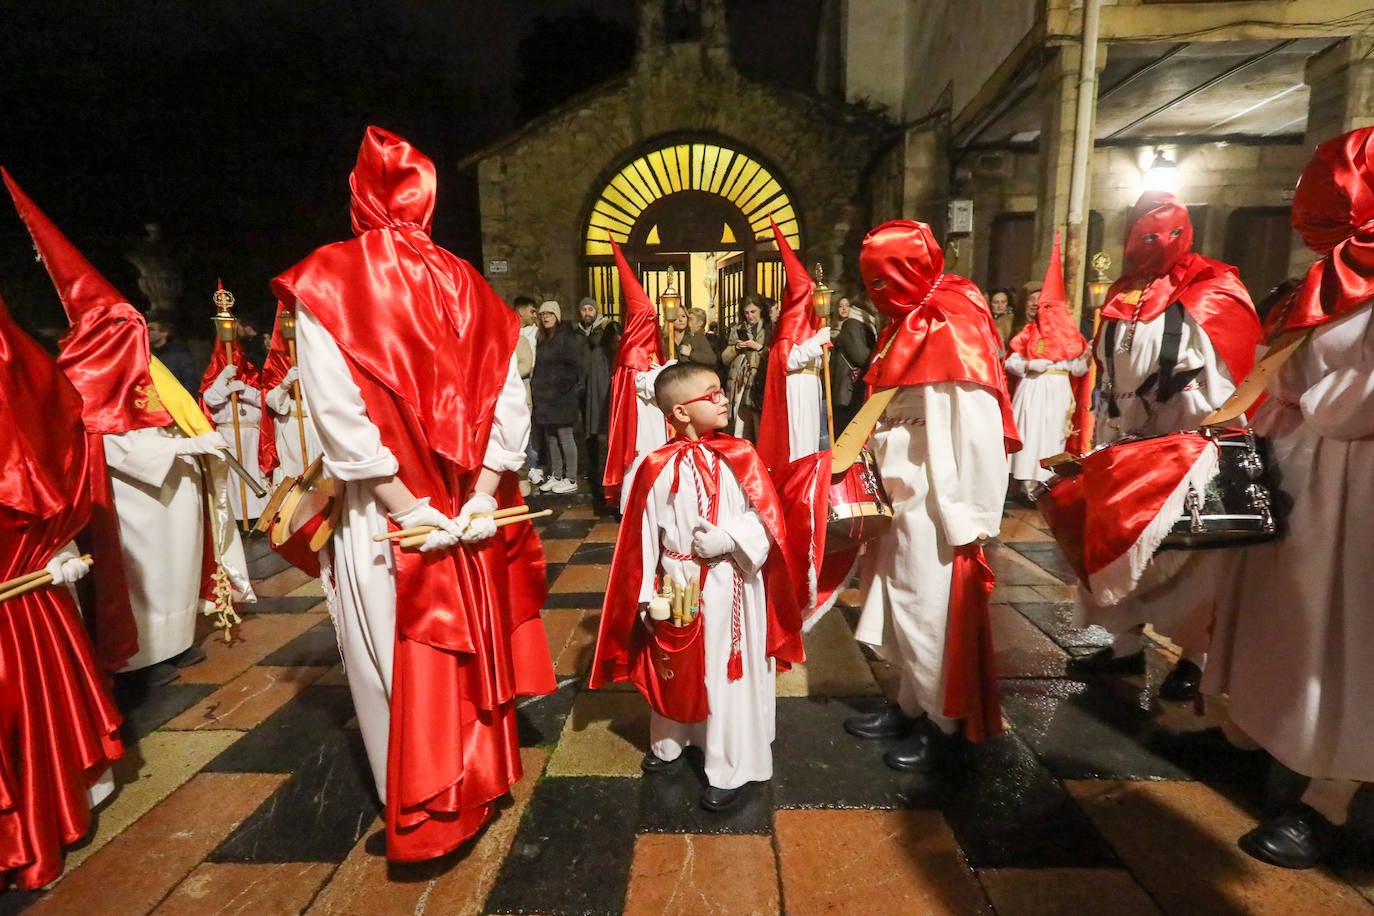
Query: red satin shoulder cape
[(1212, 295), (612, 659), (951, 338), (60, 727)]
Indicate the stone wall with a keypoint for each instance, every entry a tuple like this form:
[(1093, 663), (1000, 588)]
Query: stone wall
[(536, 187)]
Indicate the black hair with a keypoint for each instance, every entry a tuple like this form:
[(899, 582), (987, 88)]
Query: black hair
[(671, 376)]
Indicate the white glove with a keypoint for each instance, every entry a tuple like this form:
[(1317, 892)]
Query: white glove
[(1038, 365), (445, 533), (225, 374), (290, 377), (821, 337), (204, 444), (711, 541), (235, 386), (477, 529), (66, 568)]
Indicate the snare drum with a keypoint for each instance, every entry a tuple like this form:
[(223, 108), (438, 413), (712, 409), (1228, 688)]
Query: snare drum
[(306, 511), (1236, 507), (859, 506)]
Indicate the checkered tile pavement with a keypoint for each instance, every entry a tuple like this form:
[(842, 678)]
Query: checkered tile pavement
[(245, 789)]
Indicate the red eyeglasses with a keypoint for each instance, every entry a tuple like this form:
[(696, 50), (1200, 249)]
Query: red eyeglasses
[(715, 395)]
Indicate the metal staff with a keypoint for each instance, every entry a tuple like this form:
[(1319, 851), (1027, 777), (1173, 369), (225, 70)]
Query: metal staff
[(288, 334), (226, 329)]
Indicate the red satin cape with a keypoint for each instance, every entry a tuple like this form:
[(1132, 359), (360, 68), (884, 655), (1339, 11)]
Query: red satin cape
[(60, 729), (640, 347), (274, 369), (620, 615), (797, 321)]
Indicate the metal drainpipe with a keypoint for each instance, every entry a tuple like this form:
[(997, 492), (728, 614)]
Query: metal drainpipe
[(1082, 148)]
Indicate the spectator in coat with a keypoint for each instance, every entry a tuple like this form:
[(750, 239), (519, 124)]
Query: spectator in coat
[(853, 349), (556, 389), (600, 337)]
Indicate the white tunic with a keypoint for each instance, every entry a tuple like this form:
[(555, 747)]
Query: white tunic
[(1043, 408), (360, 577), (287, 428), (940, 452), (250, 418), (1293, 634), (737, 736), (159, 501), (804, 405), (1177, 592), (651, 426)]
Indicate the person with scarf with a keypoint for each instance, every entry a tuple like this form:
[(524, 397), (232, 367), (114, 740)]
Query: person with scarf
[(1293, 629), (439, 641), (1049, 359), (222, 380), (171, 530), (59, 729), (636, 425), (1177, 333), (601, 338), (701, 521), (941, 444)]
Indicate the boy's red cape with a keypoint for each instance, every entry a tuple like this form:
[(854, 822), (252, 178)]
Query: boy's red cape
[(620, 615)]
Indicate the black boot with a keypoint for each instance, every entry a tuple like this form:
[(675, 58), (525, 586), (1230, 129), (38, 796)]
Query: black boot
[(1296, 838), (1181, 684), (916, 753), (652, 763), (1105, 662), (714, 799), (891, 722)]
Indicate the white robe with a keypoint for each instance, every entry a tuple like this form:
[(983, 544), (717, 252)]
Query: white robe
[(287, 429), (1293, 633), (651, 426), (1043, 408), (737, 736), (1176, 594), (359, 574), (940, 451), (249, 431), (160, 499), (804, 405)]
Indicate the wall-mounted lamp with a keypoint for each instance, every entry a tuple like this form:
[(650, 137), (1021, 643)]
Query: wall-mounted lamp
[(1162, 172)]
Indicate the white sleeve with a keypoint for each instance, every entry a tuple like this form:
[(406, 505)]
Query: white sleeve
[(1016, 364), (651, 539), (279, 400), (644, 381), (967, 460), (1340, 405), (510, 428), (804, 353), (1214, 382), (1078, 365), (142, 455), (751, 540), (351, 442)]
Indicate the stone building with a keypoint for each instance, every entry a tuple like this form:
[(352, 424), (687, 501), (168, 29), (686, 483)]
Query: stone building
[(1222, 101), (682, 160)]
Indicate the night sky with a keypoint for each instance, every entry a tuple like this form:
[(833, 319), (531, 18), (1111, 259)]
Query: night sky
[(234, 123)]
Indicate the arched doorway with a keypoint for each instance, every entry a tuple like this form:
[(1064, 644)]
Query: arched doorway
[(692, 213)]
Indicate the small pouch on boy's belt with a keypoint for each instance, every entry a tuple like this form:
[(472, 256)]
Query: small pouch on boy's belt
[(668, 665)]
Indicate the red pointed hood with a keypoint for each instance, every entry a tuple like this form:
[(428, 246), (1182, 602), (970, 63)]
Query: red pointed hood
[(797, 320), (1052, 335), (106, 353), (640, 345)]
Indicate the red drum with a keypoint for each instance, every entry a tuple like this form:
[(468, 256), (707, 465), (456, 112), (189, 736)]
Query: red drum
[(859, 506), (303, 513)]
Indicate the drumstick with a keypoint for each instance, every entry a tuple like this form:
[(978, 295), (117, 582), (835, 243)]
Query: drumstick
[(421, 532), (508, 512), (29, 582)]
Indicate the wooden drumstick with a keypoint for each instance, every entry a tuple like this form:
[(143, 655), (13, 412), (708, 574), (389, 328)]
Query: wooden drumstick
[(423, 530), (508, 512), (30, 582)]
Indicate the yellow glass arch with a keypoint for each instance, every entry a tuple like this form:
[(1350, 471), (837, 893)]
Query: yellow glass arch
[(736, 176)]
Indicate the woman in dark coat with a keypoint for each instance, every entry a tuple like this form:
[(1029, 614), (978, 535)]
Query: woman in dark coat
[(556, 390)]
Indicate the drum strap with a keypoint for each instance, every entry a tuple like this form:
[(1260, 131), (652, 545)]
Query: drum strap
[(1252, 386), (1169, 383), (851, 442)]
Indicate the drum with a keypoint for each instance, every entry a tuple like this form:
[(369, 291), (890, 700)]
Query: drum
[(1237, 506), (303, 513), (859, 506)]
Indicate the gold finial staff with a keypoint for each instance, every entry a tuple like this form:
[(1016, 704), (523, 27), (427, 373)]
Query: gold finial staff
[(288, 334), (226, 329)]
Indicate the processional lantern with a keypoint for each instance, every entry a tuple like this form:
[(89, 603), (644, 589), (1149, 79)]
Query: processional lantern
[(820, 296)]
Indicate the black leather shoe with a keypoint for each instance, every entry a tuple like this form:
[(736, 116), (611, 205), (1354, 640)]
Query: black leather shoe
[(655, 764), (916, 753), (1105, 662), (890, 723), (1297, 838), (714, 799), (1181, 684)]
